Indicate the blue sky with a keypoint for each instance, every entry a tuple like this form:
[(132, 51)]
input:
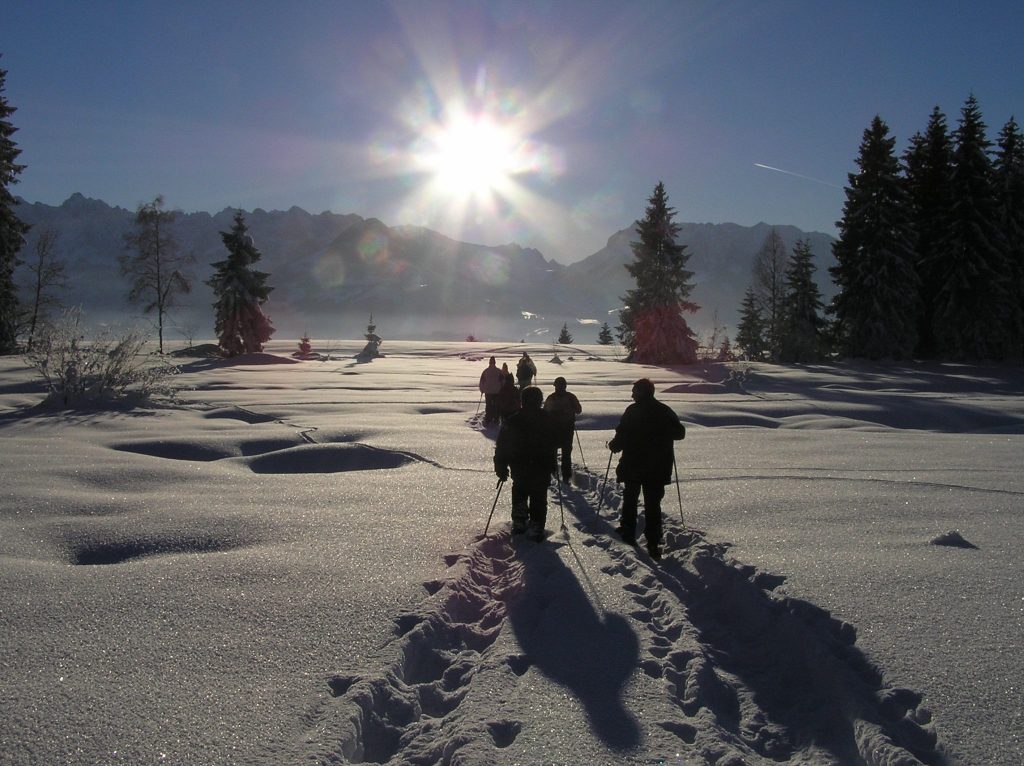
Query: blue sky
[(398, 110)]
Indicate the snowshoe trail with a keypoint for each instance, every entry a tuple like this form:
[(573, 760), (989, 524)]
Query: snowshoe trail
[(740, 673)]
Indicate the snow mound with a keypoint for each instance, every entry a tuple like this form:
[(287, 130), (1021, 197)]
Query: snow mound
[(256, 358), (953, 539)]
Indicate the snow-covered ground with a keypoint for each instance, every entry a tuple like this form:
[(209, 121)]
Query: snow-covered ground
[(288, 567)]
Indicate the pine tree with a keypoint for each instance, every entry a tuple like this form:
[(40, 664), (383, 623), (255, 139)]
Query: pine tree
[(652, 327), (876, 306), (801, 324), (565, 336), (973, 311), (154, 263), (929, 180), (12, 228), (770, 285), (1008, 168), (750, 334), (240, 324), (604, 337)]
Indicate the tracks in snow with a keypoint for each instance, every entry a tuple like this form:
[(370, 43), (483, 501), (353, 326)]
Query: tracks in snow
[(742, 673)]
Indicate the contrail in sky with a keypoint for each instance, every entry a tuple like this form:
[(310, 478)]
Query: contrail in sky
[(797, 175)]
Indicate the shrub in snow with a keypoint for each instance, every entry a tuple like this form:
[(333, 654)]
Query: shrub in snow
[(111, 367)]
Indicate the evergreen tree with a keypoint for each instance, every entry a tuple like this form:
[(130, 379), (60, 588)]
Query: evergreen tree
[(12, 228), (973, 312), (750, 335), (802, 323), (652, 327), (604, 337), (565, 336), (1009, 185), (929, 181), (770, 286), (154, 262), (876, 306), (240, 323)]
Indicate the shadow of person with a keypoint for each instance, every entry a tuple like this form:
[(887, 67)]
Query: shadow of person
[(569, 641)]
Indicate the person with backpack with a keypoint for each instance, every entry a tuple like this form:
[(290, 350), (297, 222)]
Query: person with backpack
[(526, 447), (526, 370), (490, 385), (645, 437), (563, 407)]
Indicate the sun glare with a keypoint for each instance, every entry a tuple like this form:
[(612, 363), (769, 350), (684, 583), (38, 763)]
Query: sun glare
[(473, 156)]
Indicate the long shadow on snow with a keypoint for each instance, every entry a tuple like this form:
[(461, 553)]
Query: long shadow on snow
[(565, 638), (796, 662)]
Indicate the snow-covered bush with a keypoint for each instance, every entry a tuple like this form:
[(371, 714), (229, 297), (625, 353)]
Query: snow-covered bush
[(111, 367)]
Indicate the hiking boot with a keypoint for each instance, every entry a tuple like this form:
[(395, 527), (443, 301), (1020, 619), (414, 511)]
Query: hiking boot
[(518, 527), (627, 538), (536, 533), (655, 551)]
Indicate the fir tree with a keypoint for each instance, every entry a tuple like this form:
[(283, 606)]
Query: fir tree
[(12, 228), (801, 324), (565, 336), (1008, 167), (652, 327), (929, 180), (750, 334), (604, 336), (876, 306), (240, 323), (154, 263), (973, 311)]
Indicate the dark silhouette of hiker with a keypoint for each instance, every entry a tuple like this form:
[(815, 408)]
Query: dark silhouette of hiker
[(563, 407), (490, 385), (526, 445), (645, 437), (526, 370)]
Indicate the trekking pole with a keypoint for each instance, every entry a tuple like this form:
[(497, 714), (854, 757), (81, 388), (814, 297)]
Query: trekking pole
[(678, 493), (501, 483), (478, 403), (603, 486), (561, 507), (582, 458)]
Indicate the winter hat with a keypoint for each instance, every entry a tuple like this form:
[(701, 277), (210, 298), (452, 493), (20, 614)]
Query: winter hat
[(531, 396)]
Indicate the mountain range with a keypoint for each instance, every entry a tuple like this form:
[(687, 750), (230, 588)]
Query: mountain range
[(331, 271)]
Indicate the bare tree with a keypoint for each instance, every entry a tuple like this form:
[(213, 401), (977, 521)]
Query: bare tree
[(770, 287), (154, 262), (47, 274)]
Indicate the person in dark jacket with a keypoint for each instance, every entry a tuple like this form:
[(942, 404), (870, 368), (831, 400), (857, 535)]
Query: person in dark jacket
[(526, 445), (563, 408), (490, 385), (525, 370), (645, 437), (508, 398)]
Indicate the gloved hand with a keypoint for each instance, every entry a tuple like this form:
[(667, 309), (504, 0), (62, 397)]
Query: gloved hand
[(614, 447), (502, 474)]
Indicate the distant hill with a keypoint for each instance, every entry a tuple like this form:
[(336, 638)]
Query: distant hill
[(330, 271)]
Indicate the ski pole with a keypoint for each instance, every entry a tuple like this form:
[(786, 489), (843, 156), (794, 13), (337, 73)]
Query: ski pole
[(501, 483), (558, 481), (603, 486), (582, 458), (478, 403), (678, 493)]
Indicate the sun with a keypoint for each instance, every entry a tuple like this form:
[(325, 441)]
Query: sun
[(473, 156)]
